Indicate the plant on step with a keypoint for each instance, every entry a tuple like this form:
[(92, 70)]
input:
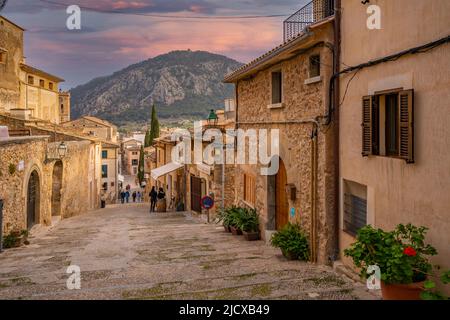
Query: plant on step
[(248, 220), (292, 241), (13, 240)]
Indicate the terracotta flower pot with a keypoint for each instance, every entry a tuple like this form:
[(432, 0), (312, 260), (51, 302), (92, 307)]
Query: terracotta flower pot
[(251, 236), (402, 291), (236, 232)]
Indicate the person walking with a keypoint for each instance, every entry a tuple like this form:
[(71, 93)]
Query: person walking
[(134, 196), (139, 197), (153, 196), (127, 196), (122, 197)]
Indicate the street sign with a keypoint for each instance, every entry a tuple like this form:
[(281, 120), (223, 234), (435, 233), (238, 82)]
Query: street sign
[(207, 203)]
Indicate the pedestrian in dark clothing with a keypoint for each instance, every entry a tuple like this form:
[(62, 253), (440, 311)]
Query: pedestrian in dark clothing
[(122, 197), (134, 196), (161, 194), (127, 196), (153, 197)]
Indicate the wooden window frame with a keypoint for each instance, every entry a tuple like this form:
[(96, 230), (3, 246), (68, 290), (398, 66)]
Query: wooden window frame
[(371, 126), (276, 103), (249, 189)]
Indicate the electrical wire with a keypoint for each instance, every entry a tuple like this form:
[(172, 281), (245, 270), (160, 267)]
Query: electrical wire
[(169, 16)]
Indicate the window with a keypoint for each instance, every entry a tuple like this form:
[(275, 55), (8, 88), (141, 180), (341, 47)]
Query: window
[(112, 184), (105, 186), (104, 171), (388, 125), (31, 80), (134, 153), (277, 87), (355, 214), (3, 57), (62, 108), (249, 189), (50, 85), (314, 66), (42, 83), (104, 154), (134, 162)]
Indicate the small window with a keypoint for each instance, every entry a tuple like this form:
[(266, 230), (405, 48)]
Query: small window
[(277, 87), (249, 189), (134, 162), (112, 184), (31, 80), (355, 214), (314, 66), (2, 57), (104, 154), (62, 108), (135, 153), (388, 125), (105, 186), (104, 171), (50, 85), (42, 83)]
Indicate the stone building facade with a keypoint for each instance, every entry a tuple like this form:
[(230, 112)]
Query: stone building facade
[(39, 188), (287, 90), (25, 91)]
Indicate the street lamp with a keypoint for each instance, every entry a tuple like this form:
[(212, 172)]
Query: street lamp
[(62, 150), (212, 118)]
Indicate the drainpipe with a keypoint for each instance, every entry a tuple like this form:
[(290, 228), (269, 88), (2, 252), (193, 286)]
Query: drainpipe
[(337, 101)]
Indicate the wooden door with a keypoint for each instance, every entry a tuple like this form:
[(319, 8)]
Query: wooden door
[(282, 205), (32, 199), (196, 194)]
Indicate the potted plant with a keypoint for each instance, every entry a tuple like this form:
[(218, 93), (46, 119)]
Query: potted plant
[(249, 224), (234, 219), (292, 241), (401, 255), (223, 215)]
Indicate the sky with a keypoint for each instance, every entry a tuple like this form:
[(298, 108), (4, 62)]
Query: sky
[(111, 41)]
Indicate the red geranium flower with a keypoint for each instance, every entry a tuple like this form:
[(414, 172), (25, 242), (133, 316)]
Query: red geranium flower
[(409, 251)]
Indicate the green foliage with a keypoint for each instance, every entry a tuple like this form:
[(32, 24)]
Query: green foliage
[(154, 127), (13, 239), (241, 218), (147, 139), (141, 168), (387, 251), (292, 240)]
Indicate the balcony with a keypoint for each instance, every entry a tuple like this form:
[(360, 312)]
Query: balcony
[(313, 12)]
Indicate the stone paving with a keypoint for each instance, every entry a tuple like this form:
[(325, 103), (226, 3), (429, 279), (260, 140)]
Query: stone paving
[(124, 252)]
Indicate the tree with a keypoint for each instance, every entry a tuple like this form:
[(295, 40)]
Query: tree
[(147, 139), (154, 127), (141, 169)]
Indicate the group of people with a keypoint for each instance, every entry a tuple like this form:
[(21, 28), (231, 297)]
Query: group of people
[(155, 196), (126, 194)]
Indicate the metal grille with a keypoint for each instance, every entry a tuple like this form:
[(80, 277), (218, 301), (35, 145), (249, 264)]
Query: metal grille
[(313, 12), (355, 214)]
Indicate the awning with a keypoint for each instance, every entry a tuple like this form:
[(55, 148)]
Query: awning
[(168, 168)]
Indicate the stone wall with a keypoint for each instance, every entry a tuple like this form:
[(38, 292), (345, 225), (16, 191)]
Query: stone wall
[(18, 159), (301, 102)]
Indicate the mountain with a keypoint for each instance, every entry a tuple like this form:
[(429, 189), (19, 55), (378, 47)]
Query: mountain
[(182, 84)]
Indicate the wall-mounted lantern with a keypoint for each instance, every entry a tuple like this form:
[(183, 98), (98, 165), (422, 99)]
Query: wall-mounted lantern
[(62, 150), (213, 119), (57, 153)]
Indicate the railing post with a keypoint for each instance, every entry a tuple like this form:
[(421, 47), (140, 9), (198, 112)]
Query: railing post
[(1, 225)]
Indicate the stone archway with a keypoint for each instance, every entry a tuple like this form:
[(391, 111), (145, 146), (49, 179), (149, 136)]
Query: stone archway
[(56, 188), (33, 200)]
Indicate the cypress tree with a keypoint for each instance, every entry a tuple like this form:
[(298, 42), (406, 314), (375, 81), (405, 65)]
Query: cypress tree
[(141, 169), (154, 130)]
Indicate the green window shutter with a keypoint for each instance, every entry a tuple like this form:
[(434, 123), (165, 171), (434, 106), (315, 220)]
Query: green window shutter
[(367, 126), (406, 125)]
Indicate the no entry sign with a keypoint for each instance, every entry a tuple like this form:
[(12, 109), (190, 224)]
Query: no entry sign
[(207, 203)]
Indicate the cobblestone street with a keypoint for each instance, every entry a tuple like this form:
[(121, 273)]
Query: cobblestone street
[(126, 253)]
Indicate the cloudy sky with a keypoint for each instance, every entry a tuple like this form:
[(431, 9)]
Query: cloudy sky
[(110, 41)]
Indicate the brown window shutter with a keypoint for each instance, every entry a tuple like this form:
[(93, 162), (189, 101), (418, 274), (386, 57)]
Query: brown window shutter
[(367, 126), (406, 119)]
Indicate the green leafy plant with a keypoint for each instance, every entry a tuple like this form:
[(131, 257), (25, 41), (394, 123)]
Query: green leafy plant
[(248, 220), (402, 256), (292, 241), (13, 240), (430, 292)]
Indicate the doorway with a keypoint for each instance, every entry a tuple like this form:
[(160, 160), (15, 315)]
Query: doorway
[(33, 200), (281, 199), (196, 194), (56, 188)]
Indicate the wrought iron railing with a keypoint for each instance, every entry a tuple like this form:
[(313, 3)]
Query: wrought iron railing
[(313, 12)]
